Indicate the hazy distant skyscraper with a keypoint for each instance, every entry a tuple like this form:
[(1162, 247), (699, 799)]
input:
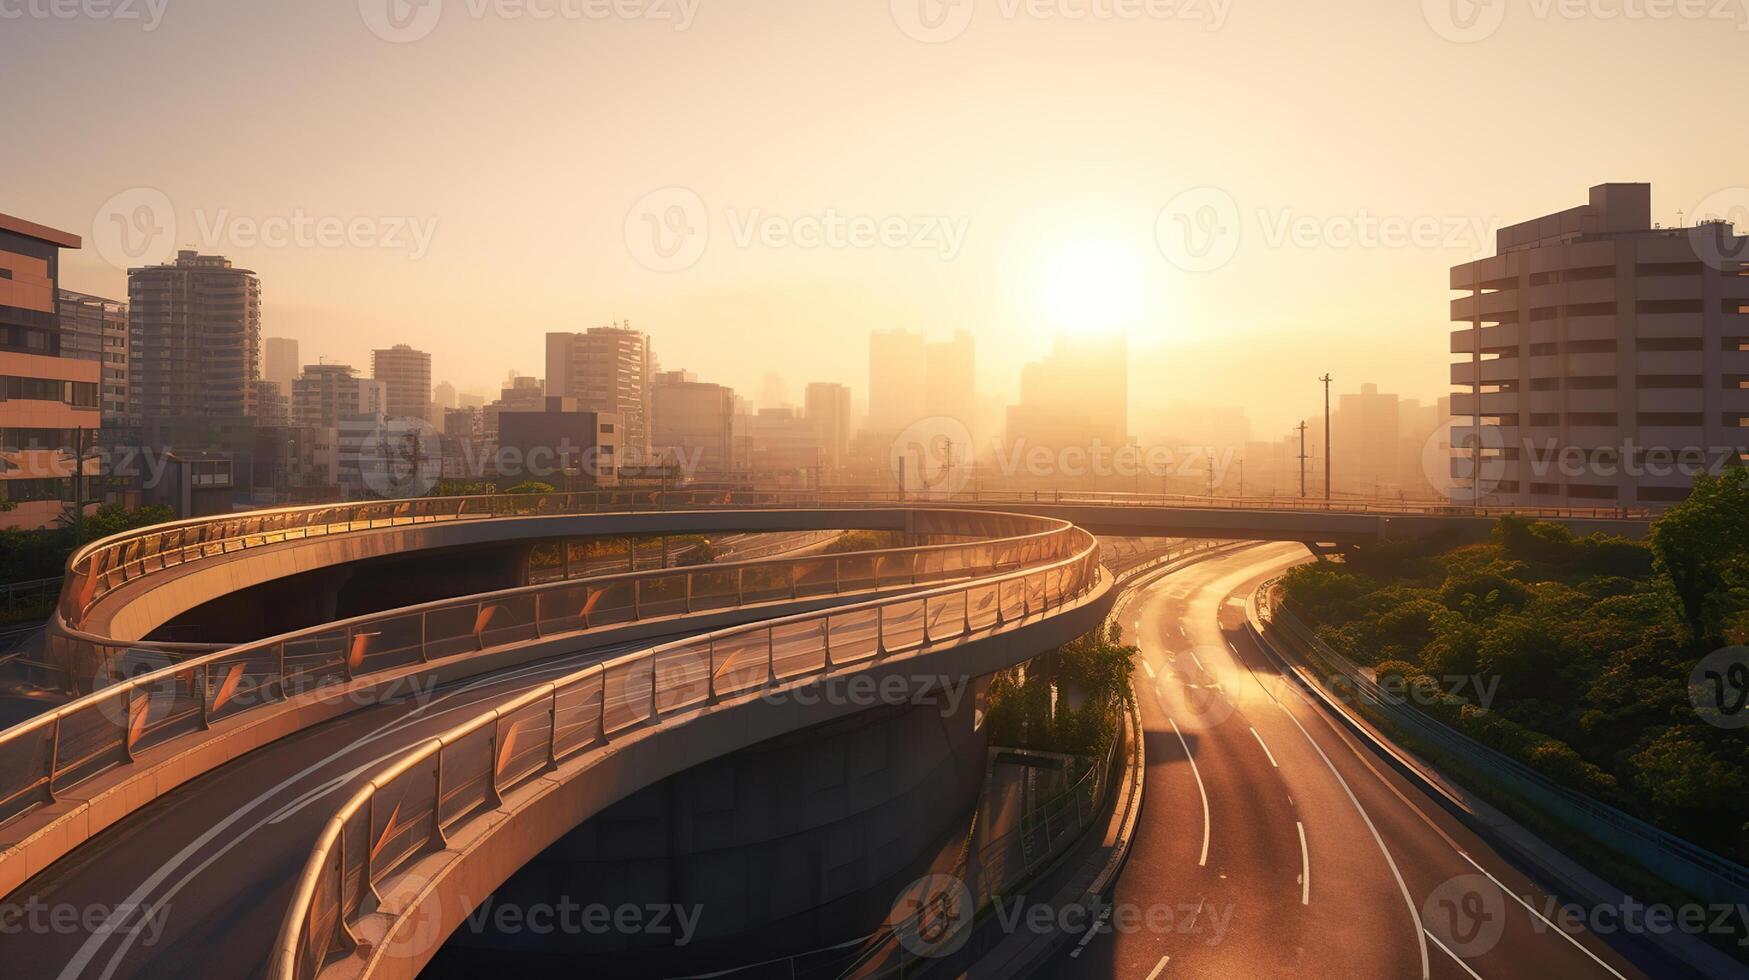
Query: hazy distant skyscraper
[(1078, 396), (406, 376), (897, 380), (280, 364), (828, 411), (444, 395), (607, 370), (195, 327), (950, 378)]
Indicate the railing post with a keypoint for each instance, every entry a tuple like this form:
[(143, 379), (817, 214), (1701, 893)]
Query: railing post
[(437, 800), (127, 723), (204, 674), (54, 760)]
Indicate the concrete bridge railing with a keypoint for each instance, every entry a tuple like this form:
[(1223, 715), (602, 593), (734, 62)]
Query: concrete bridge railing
[(458, 783)]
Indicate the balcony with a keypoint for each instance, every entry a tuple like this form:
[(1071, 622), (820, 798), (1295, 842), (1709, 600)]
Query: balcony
[(1670, 324), (1492, 306), (1670, 400), (1496, 371), (1499, 335), (1592, 327), (1669, 362)]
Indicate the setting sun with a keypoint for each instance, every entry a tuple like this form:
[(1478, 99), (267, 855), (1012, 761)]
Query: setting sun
[(1091, 287)]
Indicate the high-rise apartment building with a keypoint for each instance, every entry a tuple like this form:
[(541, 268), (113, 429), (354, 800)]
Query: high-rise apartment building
[(49, 404), (281, 364), (607, 370), (96, 329), (443, 396), (827, 408), (692, 426), (1601, 357), (898, 385), (406, 375), (195, 333), (1079, 396)]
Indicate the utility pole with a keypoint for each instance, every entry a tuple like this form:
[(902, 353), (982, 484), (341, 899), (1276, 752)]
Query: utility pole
[(1211, 472), (1302, 459), (1326, 379)]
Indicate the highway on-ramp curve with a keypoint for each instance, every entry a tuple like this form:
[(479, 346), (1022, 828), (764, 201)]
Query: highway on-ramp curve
[(1273, 844)]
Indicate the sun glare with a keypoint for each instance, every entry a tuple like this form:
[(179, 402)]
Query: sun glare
[(1091, 287)]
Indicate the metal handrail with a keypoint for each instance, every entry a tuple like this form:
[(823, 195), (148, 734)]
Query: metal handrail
[(104, 565), (466, 771), (52, 752)]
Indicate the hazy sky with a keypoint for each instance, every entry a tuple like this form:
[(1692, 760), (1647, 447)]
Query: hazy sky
[(475, 174)]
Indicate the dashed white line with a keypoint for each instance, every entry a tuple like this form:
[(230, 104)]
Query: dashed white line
[(1092, 930), (1204, 860), (1305, 866), (1454, 956), (1198, 660), (1149, 668), (1558, 930), (1402, 886), (1159, 968), (1266, 751)]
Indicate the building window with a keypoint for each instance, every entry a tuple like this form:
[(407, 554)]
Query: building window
[(1545, 384), (1599, 382), (1669, 418), (1667, 343), (1657, 269), (1653, 306), (1591, 347), (1541, 350), (1581, 491), (1545, 419), (1655, 381), (1591, 309), (1592, 418), (1663, 495)]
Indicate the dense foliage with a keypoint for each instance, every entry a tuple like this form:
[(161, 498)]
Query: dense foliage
[(1066, 700), (29, 555), (1585, 645)]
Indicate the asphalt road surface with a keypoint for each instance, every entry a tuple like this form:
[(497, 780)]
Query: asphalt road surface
[(1273, 844)]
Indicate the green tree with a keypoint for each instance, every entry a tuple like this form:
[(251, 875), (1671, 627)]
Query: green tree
[(1702, 550)]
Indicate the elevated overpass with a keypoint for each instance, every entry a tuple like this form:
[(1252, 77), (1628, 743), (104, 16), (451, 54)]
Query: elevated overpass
[(589, 687), (131, 758)]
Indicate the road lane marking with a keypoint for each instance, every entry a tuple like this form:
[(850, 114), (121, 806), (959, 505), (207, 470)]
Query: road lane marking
[(1305, 867), (1159, 968), (1204, 860), (1558, 930), (1414, 913), (1198, 660), (1266, 751), (1092, 930), (1459, 959), (1149, 668)]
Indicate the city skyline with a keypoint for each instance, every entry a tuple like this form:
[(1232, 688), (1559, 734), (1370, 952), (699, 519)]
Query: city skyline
[(1079, 219)]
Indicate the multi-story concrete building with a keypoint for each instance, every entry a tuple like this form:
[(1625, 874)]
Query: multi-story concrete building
[(326, 393), (195, 332), (1604, 359), (272, 403), (784, 446), (898, 380), (827, 407), (406, 375), (692, 426), (950, 379), (522, 394), (96, 329), (281, 364), (607, 370), (49, 404), (558, 445)]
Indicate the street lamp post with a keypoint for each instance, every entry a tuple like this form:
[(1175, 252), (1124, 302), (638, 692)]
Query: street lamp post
[(1326, 379)]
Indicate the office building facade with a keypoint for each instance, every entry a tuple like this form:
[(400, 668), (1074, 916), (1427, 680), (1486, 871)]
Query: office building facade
[(406, 377), (607, 370), (96, 329), (1602, 360)]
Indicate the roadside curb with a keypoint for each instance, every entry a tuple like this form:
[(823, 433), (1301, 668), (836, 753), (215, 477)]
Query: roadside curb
[(1517, 842)]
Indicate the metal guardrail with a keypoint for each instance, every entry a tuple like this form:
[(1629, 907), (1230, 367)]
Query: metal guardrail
[(105, 565), (35, 594), (1690, 866), (413, 805), (68, 746)]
